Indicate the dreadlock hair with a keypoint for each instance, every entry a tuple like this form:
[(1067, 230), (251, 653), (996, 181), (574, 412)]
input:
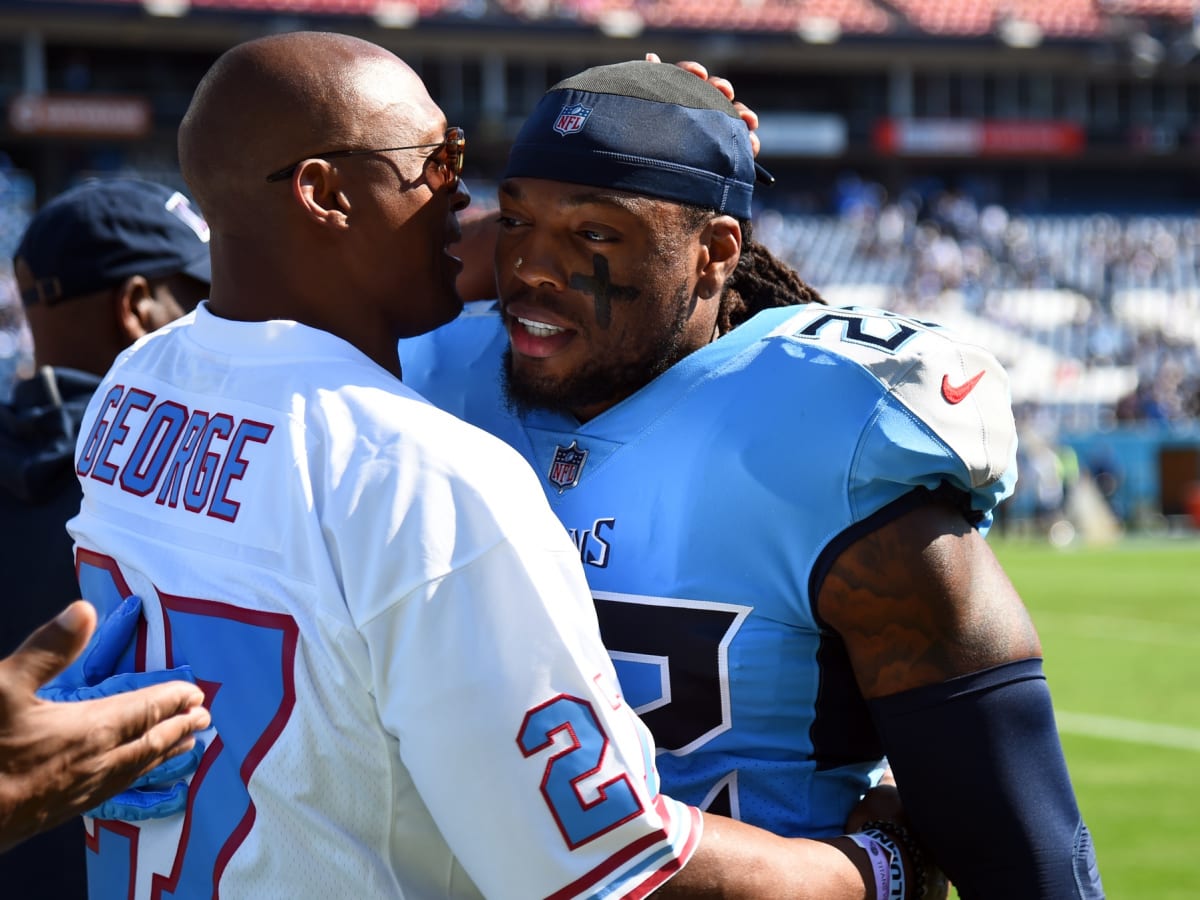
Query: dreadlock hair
[(761, 280)]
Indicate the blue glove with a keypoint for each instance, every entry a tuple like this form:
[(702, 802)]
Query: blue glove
[(161, 792)]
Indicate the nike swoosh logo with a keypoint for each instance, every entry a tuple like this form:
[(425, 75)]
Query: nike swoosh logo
[(958, 393)]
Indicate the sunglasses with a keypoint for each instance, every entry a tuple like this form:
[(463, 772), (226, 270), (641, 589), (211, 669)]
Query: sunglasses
[(449, 153)]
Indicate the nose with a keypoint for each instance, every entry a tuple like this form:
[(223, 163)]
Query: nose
[(533, 262), (461, 198)]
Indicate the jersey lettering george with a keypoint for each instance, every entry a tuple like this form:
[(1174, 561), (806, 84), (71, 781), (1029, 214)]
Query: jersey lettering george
[(207, 459), (721, 484)]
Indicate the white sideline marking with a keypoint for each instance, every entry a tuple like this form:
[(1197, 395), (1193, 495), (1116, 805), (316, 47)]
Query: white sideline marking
[(1129, 730)]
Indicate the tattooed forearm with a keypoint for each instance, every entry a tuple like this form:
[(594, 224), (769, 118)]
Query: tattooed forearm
[(923, 599)]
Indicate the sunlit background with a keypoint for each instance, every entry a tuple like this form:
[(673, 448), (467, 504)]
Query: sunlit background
[(1026, 172)]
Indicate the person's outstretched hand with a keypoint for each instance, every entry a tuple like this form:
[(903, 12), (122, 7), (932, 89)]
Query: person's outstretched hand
[(59, 759)]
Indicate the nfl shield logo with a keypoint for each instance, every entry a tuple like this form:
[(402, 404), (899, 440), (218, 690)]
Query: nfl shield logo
[(570, 120), (567, 465)]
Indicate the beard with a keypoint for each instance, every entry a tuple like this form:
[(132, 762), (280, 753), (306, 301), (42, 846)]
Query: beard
[(606, 380)]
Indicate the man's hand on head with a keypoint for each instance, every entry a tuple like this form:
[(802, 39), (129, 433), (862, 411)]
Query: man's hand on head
[(725, 86)]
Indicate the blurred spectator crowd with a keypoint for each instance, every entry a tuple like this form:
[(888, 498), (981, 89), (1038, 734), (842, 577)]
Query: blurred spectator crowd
[(1096, 315), (16, 207)]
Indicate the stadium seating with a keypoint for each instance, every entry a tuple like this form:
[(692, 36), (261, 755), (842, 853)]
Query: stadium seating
[(1182, 10), (1085, 310), (422, 8), (850, 16), (1061, 19)]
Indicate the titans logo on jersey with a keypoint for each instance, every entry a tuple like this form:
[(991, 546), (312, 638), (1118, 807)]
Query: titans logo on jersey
[(593, 542), (783, 437)]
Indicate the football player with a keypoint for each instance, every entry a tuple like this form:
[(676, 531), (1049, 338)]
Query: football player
[(780, 506)]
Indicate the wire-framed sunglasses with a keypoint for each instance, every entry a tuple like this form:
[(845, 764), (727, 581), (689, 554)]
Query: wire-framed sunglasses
[(449, 161)]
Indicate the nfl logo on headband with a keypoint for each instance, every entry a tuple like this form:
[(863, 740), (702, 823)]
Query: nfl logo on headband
[(571, 119)]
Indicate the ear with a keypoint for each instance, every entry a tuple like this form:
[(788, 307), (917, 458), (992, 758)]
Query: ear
[(720, 250), (319, 190), (132, 309)]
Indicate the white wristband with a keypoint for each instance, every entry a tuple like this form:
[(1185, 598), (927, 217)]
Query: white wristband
[(897, 861), (880, 858)]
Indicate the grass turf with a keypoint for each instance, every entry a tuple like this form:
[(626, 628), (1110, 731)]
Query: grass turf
[(1120, 628)]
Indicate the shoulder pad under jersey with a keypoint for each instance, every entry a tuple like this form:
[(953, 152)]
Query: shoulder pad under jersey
[(958, 389)]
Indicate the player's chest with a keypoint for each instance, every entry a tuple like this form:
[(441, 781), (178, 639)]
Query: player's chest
[(647, 521)]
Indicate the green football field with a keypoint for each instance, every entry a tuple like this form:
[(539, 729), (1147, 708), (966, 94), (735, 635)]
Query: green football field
[(1120, 628)]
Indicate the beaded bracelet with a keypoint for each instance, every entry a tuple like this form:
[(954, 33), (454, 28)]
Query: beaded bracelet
[(916, 859)]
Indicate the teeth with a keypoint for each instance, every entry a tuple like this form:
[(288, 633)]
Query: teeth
[(540, 329)]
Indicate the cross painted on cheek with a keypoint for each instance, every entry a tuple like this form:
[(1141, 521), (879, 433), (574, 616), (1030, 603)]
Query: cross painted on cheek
[(603, 291)]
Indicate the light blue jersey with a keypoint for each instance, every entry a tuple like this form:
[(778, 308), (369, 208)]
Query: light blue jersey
[(707, 507)]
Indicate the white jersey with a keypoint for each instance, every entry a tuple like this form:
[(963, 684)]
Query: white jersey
[(408, 690)]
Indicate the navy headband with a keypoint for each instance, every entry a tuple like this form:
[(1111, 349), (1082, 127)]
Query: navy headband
[(642, 127)]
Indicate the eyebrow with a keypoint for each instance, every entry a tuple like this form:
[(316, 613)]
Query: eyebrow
[(630, 204)]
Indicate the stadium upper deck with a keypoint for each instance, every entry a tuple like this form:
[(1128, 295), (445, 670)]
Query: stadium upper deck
[(884, 86), (961, 18)]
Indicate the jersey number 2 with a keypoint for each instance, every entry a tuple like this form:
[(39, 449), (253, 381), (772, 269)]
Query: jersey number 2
[(582, 758)]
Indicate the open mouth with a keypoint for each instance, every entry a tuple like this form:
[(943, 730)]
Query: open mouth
[(539, 329), (535, 338)]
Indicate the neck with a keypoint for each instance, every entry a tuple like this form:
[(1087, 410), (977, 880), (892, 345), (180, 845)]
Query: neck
[(372, 342)]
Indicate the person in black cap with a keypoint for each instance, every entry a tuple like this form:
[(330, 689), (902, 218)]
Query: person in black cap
[(780, 505), (98, 267)]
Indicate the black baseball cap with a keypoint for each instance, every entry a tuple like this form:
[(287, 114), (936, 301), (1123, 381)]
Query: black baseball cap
[(97, 234)]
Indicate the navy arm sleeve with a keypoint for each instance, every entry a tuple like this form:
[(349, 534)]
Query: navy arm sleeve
[(984, 783)]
